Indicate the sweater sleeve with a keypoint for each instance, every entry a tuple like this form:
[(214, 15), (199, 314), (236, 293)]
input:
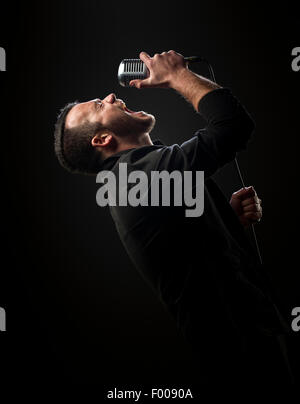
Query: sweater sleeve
[(228, 130)]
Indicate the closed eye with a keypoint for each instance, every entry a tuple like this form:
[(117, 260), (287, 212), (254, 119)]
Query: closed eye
[(98, 104)]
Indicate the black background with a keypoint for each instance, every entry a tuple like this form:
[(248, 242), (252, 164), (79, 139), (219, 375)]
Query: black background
[(77, 311)]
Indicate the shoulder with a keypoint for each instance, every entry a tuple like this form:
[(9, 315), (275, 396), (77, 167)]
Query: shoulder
[(154, 157)]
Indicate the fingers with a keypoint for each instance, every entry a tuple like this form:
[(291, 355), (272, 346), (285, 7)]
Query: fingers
[(253, 207), (252, 217), (252, 211), (251, 201), (145, 58), (163, 68), (250, 205), (140, 83), (247, 196), (244, 193), (135, 83)]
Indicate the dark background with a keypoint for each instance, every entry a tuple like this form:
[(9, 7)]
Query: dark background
[(77, 311)]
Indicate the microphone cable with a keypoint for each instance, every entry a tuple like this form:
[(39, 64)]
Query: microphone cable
[(213, 78)]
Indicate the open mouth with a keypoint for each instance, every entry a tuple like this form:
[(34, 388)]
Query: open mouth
[(129, 111)]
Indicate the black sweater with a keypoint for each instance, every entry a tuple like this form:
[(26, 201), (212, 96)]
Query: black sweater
[(203, 269)]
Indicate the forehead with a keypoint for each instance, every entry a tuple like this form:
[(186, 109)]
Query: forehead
[(79, 113)]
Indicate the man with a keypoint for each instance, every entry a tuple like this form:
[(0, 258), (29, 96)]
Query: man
[(202, 268)]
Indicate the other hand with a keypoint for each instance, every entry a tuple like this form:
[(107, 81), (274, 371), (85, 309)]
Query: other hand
[(247, 206)]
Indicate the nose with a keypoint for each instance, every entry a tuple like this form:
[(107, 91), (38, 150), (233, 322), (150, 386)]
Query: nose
[(111, 98)]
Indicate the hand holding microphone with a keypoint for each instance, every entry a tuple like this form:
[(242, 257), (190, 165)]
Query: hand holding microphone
[(159, 71), (162, 68), (166, 70)]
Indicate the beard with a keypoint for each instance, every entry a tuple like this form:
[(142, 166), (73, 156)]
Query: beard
[(133, 125)]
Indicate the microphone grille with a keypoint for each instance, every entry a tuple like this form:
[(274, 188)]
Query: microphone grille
[(131, 69)]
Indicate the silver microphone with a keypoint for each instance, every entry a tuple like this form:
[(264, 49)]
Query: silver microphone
[(132, 69)]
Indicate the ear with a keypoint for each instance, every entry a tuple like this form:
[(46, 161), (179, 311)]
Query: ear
[(102, 139)]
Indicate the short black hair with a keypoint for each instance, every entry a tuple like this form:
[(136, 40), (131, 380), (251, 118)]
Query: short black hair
[(73, 146)]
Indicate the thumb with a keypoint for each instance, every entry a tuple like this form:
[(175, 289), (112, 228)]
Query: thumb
[(140, 83)]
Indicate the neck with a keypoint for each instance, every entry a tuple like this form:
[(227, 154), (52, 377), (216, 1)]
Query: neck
[(135, 142), (130, 143)]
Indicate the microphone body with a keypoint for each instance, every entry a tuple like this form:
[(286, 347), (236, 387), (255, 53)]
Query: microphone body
[(132, 69)]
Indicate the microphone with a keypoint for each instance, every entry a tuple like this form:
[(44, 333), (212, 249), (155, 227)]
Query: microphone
[(132, 69)]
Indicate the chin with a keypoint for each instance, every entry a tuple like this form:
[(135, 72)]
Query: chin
[(150, 121), (143, 122)]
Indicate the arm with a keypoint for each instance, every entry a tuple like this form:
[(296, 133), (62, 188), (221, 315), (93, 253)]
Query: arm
[(229, 126), (169, 70)]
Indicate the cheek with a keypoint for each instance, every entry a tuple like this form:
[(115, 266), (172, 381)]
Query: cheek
[(119, 122), (111, 118)]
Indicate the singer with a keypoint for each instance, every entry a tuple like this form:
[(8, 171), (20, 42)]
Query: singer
[(203, 269)]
